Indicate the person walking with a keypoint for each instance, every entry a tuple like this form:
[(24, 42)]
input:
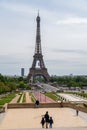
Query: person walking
[(42, 122), (77, 112), (46, 116), (50, 122)]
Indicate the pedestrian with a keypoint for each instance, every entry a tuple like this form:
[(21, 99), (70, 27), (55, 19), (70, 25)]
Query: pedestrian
[(46, 116), (42, 122), (77, 112), (61, 103), (50, 122), (37, 103)]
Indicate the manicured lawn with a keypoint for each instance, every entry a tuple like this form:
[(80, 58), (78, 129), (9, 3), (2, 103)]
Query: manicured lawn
[(7, 99), (19, 98), (52, 95), (24, 98), (32, 97)]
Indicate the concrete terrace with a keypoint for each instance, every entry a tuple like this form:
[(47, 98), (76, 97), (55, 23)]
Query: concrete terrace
[(29, 118), (60, 128)]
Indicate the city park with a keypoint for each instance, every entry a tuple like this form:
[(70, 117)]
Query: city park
[(17, 102)]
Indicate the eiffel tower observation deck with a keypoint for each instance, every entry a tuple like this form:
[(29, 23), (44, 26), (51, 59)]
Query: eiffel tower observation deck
[(38, 68)]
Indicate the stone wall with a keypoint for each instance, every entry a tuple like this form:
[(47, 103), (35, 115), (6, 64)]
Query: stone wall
[(47, 105)]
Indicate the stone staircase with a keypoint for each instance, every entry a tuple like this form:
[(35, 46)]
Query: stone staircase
[(59, 128)]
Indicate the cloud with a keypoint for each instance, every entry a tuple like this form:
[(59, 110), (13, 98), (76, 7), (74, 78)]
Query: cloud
[(14, 59), (77, 51), (64, 47), (73, 20), (12, 7)]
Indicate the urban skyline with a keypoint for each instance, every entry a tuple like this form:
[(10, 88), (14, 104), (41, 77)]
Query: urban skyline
[(63, 35)]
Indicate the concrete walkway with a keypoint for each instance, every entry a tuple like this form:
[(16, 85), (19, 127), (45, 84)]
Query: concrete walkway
[(28, 98), (59, 128), (71, 97), (42, 98), (14, 100), (27, 119)]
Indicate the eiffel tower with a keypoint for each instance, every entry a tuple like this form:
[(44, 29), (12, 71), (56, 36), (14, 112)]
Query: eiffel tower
[(38, 66)]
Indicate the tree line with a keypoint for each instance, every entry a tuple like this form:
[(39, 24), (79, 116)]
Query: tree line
[(70, 81), (9, 84)]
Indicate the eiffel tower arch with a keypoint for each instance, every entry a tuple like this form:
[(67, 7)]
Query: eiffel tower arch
[(38, 67)]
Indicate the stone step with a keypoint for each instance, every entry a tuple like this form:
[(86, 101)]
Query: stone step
[(59, 128)]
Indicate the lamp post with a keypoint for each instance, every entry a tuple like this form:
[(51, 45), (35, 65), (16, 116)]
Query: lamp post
[(45, 97), (40, 96)]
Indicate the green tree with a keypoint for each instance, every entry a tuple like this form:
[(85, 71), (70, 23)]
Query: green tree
[(3, 88), (12, 86), (21, 85)]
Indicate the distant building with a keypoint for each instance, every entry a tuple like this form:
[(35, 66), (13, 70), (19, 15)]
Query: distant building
[(22, 72)]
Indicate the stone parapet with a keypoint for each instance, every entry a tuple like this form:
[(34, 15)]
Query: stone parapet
[(47, 105)]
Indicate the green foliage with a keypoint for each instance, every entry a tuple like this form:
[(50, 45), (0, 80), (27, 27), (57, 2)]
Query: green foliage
[(21, 85), (9, 84), (74, 81), (7, 99), (12, 86), (39, 78), (19, 98), (3, 88), (2, 78), (24, 98), (32, 97), (52, 96), (1, 106), (22, 79), (28, 87)]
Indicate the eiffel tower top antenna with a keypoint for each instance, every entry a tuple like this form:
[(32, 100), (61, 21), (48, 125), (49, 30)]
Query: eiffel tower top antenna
[(38, 12)]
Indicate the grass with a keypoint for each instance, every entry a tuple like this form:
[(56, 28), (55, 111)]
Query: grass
[(52, 95), (7, 99), (1, 106), (19, 98), (24, 98), (32, 97)]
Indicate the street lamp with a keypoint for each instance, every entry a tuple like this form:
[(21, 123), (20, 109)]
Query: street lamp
[(45, 96), (40, 96)]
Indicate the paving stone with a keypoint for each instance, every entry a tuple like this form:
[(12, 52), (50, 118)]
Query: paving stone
[(29, 119), (59, 128)]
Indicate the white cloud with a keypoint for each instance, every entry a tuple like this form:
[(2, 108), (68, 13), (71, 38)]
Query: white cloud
[(19, 8), (75, 20), (64, 47)]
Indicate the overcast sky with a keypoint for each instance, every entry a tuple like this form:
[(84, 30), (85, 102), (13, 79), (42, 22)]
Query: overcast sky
[(63, 35)]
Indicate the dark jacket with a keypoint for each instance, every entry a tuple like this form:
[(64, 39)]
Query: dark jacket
[(46, 117), (51, 120), (37, 102), (42, 121)]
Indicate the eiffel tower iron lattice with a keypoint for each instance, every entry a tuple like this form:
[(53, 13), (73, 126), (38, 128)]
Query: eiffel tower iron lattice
[(38, 67)]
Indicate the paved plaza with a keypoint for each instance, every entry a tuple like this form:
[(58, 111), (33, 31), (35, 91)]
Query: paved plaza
[(27, 119), (72, 97), (59, 128)]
